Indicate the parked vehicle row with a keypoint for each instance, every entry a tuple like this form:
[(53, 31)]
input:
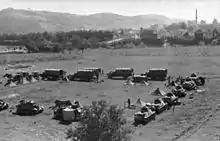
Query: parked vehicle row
[(83, 74), (92, 74), (178, 90), (149, 111)]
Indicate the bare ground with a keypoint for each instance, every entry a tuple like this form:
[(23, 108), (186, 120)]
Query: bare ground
[(197, 119)]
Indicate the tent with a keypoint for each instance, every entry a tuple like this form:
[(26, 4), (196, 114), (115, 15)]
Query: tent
[(158, 92), (25, 81), (129, 82), (145, 83), (140, 103), (12, 84), (33, 80)]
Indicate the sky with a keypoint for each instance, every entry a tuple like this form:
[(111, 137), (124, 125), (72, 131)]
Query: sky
[(183, 9)]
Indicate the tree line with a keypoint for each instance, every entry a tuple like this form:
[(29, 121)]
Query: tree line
[(60, 41), (57, 42)]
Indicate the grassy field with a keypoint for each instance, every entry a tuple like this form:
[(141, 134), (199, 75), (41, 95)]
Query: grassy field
[(38, 57), (196, 119)]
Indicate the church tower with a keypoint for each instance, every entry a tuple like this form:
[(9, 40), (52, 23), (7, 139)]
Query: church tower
[(196, 17)]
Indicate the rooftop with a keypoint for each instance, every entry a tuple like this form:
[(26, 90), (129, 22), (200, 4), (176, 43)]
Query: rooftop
[(84, 70), (123, 68), (52, 69)]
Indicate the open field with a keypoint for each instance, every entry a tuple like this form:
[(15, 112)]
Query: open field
[(38, 57), (197, 119)]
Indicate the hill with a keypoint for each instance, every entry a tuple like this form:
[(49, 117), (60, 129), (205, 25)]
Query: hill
[(24, 21)]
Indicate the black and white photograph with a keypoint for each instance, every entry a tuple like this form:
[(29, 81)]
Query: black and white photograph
[(109, 70)]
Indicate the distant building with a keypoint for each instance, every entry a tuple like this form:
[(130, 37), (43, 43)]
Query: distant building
[(199, 35), (191, 22)]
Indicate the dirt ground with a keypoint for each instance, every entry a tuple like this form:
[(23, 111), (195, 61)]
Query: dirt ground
[(196, 119)]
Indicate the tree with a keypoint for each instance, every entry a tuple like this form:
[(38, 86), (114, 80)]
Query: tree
[(93, 41), (173, 26), (31, 46), (154, 27), (101, 122), (75, 41), (202, 22), (57, 48), (191, 28), (164, 26), (183, 25), (83, 44)]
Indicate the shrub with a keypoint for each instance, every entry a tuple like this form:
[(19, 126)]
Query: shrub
[(101, 122)]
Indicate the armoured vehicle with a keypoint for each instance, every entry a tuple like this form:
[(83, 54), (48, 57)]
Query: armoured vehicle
[(199, 80), (124, 73), (28, 108), (179, 91), (170, 99), (189, 84), (60, 107), (158, 105), (144, 116)]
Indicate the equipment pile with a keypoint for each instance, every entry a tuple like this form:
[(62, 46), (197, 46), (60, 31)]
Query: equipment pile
[(66, 111)]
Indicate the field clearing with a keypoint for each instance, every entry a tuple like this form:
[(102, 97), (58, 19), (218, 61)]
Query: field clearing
[(192, 121), (38, 57)]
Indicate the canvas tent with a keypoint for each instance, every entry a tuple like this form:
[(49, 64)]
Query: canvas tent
[(33, 80), (12, 84), (158, 92), (25, 81), (140, 103), (129, 82)]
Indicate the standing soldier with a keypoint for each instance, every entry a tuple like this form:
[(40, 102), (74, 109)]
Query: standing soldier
[(173, 108), (129, 102), (169, 80)]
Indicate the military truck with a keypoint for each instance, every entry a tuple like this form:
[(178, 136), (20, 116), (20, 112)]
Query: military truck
[(84, 75), (100, 71), (124, 73), (156, 74), (53, 74)]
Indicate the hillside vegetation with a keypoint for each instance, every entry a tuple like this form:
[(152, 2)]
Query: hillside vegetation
[(25, 21)]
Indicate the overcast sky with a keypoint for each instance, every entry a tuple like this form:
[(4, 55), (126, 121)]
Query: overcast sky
[(207, 9)]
